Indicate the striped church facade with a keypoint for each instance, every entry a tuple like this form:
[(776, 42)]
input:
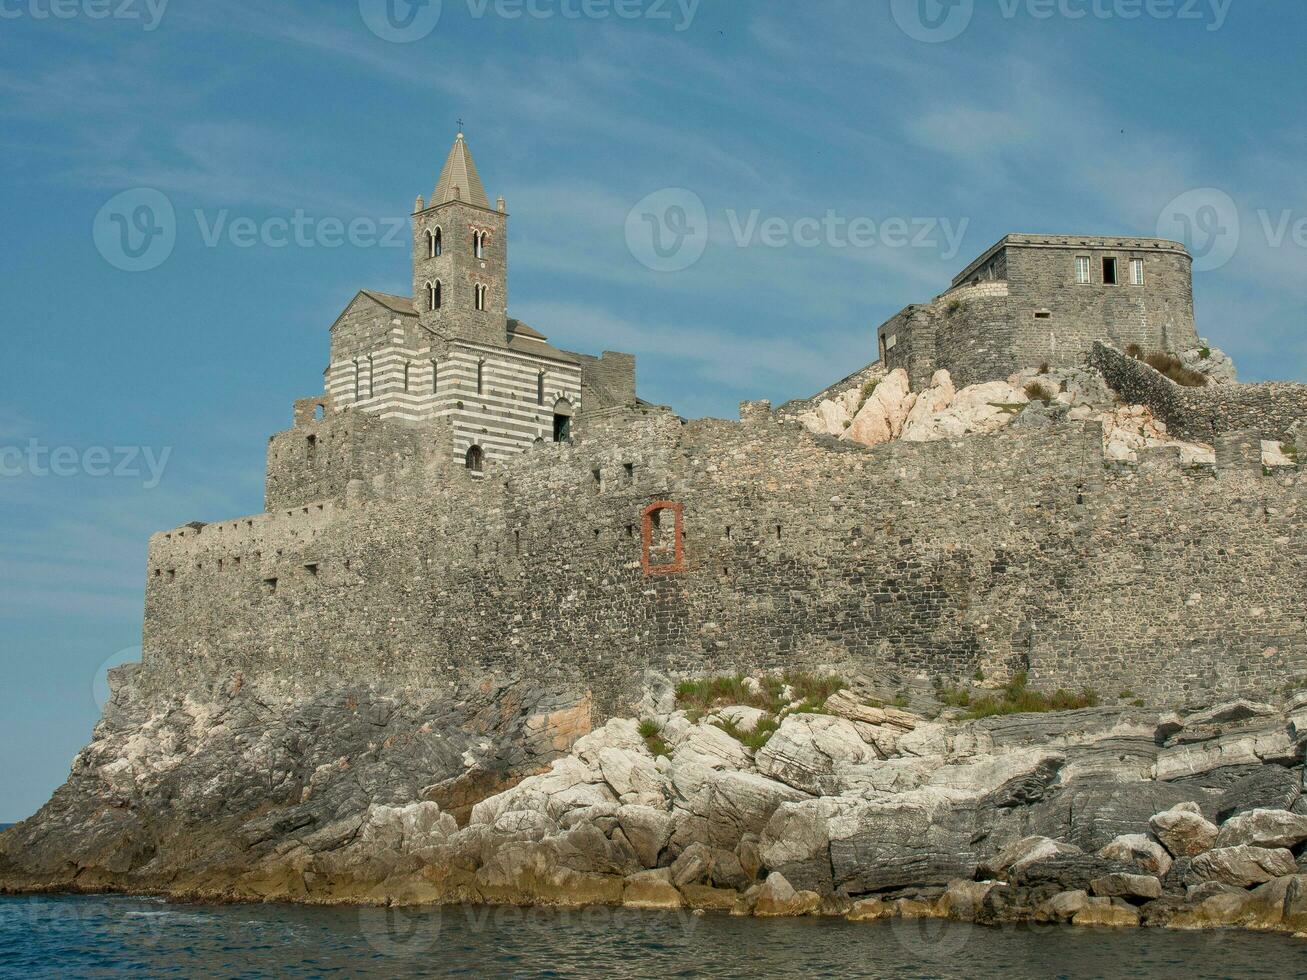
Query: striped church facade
[(500, 399)]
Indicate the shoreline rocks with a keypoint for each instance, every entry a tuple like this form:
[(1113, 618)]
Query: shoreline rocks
[(849, 808)]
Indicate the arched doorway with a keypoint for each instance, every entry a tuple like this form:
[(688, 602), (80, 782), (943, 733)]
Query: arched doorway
[(476, 459), (563, 413)]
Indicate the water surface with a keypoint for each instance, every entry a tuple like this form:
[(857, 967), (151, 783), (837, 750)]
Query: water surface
[(111, 936)]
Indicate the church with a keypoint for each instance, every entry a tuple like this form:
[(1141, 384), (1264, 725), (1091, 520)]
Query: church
[(450, 353)]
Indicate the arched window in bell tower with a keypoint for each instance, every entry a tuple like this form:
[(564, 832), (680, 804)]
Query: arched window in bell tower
[(433, 295), (436, 244), (480, 294), (479, 244)]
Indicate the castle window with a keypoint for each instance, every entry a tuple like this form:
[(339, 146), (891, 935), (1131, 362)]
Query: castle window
[(599, 480), (481, 377), (1136, 272), (312, 446), (406, 373), (540, 388), (476, 459), (435, 376), (1082, 269), (1109, 272), (629, 469), (479, 244), (433, 295), (433, 244), (663, 538), (358, 380), (372, 377), (480, 296)]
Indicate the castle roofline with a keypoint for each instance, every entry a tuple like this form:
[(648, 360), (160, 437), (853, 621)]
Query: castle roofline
[(1070, 242)]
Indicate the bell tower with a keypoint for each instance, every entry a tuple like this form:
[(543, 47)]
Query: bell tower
[(460, 255)]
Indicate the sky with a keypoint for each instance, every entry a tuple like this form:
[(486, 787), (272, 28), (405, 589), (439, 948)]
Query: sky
[(738, 193)]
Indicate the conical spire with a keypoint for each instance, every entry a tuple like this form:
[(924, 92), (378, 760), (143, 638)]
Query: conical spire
[(459, 180)]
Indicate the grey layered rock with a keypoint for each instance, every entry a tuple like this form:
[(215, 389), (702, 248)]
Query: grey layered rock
[(1128, 886), (1264, 828), (1141, 850), (1243, 865), (1184, 831), (809, 748)]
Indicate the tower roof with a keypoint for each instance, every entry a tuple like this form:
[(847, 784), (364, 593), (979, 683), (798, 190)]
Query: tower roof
[(459, 179)]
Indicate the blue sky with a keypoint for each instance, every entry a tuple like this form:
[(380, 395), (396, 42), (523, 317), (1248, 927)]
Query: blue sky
[(772, 113)]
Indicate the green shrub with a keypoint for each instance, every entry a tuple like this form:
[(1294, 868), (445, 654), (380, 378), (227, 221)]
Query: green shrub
[(953, 306), (1016, 698), (1037, 392), (1044, 368), (1135, 351), (1204, 352), (701, 696), (1173, 368), (652, 733), (755, 739)]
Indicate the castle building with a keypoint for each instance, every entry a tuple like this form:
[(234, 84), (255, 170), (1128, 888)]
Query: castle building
[(1033, 299), (449, 353)]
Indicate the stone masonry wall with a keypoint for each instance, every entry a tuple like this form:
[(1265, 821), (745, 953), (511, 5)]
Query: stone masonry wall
[(1015, 551), (1270, 409)]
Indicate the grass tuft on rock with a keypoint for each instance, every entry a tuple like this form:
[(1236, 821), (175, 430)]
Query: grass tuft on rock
[(1017, 698), (699, 697), (652, 733), (754, 739)]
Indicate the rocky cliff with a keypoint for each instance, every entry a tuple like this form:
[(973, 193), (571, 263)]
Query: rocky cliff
[(782, 800)]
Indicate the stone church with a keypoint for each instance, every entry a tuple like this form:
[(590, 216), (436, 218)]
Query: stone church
[(450, 353)]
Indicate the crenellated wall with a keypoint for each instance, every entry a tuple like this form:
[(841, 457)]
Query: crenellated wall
[(1022, 550)]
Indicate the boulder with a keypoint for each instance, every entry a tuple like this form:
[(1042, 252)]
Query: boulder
[(1243, 865), (1141, 850), (1264, 828), (1183, 830), (963, 900), (721, 808), (796, 841), (776, 897), (914, 840), (809, 748), (869, 910), (647, 829), (1127, 886), (708, 745), (651, 890), (1105, 912), (1020, 854), (1063, 906), (1216, 911), (631, 773)]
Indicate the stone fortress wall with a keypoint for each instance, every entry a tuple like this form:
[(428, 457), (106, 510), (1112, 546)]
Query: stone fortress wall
[(1277, 410), (713, 546)]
